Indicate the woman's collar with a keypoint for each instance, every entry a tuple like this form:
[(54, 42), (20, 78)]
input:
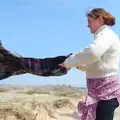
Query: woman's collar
[(100, 29)]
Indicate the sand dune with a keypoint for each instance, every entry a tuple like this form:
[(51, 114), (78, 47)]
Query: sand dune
[(37, 107), (33, 104)]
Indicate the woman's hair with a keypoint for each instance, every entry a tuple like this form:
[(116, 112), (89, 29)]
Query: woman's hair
[(97, 12)]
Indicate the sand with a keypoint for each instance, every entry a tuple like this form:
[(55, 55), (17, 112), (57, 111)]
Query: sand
[(21, 105)]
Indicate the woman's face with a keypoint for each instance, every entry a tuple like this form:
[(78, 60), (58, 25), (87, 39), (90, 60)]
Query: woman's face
[(94, 24)]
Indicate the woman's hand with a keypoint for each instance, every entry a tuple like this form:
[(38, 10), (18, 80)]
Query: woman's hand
[(82, 68), (62, 65)]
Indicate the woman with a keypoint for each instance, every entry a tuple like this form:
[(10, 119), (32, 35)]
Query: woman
[(100, 62)]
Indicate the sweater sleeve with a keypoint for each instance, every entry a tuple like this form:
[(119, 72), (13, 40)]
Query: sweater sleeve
[(90, 54)]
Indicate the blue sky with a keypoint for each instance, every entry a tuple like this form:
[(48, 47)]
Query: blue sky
[(47, 28)]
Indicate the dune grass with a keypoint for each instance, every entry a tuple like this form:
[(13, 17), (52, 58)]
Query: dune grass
[(63, 103), (31, 92)]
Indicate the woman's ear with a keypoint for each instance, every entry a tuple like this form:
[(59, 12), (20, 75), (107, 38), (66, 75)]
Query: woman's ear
[(101, 20)]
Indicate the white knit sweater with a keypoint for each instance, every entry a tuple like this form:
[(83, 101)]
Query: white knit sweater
[(101, 58)]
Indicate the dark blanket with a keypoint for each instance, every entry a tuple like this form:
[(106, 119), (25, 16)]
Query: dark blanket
[(11, 64)]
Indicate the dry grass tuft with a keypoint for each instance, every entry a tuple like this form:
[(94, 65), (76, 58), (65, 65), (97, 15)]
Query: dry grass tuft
[(11, 110), (68, 94), (4, 89), (26, 111), (63, 103), (31, 92)]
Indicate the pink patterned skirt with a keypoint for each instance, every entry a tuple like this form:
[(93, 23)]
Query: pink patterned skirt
[(98, 89)]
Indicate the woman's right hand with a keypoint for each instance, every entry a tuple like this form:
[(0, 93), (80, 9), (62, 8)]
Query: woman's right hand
[(63, 66)]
